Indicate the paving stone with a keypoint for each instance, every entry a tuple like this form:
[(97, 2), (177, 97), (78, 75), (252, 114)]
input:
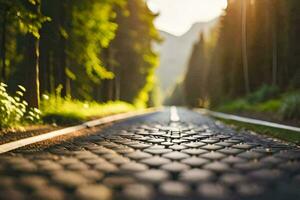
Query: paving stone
[(194, 144), (11, 193), (251, 155), (179, 141), (95, 161), (272, 160), (210, 141), (106, 167), (194, 151), (175, 188), (175, 167), (265, 174), (248, 166), (230, 151), (6, 181), (94, 192), (69, 179), (217, 166), (140, 146), (119, 160), (23, 165), (82, 155), (68, 161), (290, 166), (138, 192), (138, 155), (213, 155), (265, 150), (213, 191), (102, 151), (91, 175), (124, 150), (290, 155), (243, 146), (233, 178), (157, 151), (133, 167), (233, 160), (48, 165), (175, 155), (153, 176), (233, 141), (49, 193), (117, 181), (195, 161), (224, 144), (250, 189), (155, 161), (77, 166), (196, 175), (168, 143), (156, 140), (33, 182), (212, 147), (177, 147)]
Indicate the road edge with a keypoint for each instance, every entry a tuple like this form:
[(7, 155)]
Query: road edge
[(65, 131), (247, 120)]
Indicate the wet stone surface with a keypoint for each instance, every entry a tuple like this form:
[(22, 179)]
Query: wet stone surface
[(151, 157)]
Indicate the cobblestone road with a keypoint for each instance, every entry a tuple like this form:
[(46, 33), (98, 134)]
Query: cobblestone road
[(151, 157)]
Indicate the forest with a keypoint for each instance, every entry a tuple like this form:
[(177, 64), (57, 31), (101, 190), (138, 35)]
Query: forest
[(63, 53), (249, 63)]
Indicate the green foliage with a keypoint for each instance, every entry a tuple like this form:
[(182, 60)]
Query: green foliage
[(73, 52), (194, 82), (14, 110), (263, 93), (218, 73), (290, 108), (271, 106), (94, 17), (285, 106), (21, 13), (68, 111), (235, 106), (131, 56)]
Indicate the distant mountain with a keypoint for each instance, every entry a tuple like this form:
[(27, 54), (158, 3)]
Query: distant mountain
[(174, 53)]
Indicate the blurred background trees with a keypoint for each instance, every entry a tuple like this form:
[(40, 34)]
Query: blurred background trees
[(89, 50), (272, 52)]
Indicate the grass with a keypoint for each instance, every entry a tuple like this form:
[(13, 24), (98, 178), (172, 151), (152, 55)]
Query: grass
[(285, 135), (241, 105), (283, 107), (69, 111)]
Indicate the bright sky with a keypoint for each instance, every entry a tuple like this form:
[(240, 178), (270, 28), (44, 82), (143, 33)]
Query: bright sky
[(177, 16)]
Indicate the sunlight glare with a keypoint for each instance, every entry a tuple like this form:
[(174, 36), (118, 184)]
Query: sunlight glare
[(177, 16)]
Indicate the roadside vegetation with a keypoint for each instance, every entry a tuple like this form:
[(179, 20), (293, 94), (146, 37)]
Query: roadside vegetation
[(88, 57), (54, 109), (64, 111), (14, 110), (268, 103)]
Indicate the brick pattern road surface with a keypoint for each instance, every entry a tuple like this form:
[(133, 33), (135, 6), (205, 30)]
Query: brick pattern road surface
[(151, 157)]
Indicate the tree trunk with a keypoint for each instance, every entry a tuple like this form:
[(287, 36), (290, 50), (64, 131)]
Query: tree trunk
[(274, 45), (32, 64), (62, 49), (3, 46), (244, 45)]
